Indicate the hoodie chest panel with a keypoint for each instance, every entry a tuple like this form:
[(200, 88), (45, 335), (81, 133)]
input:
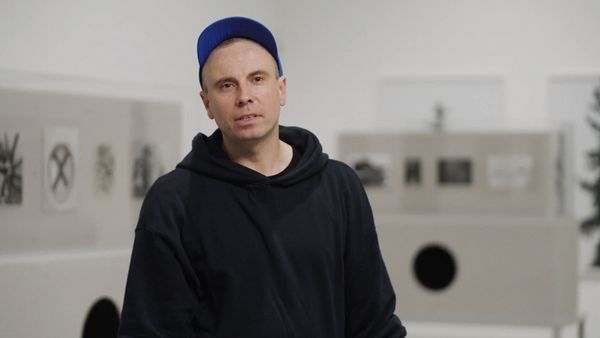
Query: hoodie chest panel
[(267, 232)]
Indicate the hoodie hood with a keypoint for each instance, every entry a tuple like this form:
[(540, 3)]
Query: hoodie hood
[(208, 159)]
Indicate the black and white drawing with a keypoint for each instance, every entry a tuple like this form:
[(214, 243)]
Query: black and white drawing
[(454, 171), (60, 168), (11, 176), (509, 172), (147, 167), (412, 171), (371, 168), (61, 172), (105, 168)]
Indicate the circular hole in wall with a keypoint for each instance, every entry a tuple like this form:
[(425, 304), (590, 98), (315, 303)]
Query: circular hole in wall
[(102, 320), (434, 267)]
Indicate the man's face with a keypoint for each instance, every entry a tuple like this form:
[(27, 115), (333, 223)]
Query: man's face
[(242, 92)]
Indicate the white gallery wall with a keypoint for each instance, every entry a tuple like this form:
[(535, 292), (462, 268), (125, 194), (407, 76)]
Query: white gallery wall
[(338, 55), (338, 52), (116, 48), (335, 53)]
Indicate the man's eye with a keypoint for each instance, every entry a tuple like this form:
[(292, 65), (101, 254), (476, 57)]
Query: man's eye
[(258, 78), (227, 85)]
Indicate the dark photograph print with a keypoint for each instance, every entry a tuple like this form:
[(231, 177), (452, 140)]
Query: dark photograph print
[(147, 167), (370, 174), (454, 171), (412, 171)]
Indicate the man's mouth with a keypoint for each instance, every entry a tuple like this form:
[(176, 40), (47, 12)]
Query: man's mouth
[(247, 117)]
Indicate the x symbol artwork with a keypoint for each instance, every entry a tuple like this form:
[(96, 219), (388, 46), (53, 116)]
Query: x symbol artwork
[(60, 156)]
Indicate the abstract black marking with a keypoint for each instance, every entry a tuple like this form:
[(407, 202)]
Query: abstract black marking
[(61, 172), (105, 168), (11, 178)]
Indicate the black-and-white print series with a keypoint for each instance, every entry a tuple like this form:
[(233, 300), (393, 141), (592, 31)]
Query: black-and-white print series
[(11, 166)]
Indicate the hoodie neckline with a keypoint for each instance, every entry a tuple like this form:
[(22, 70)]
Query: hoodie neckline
[(207, 158)]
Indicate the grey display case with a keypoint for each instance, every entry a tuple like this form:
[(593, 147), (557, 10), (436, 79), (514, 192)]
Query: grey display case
[(459, 172)]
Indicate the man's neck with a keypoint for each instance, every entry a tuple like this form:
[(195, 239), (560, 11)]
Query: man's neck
[(268, 158)]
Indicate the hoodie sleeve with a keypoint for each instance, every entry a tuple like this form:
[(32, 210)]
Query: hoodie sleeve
[(162, 296), (370, 299)]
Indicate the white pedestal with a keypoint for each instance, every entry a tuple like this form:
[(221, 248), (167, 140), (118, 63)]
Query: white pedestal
[(467, 330), (589, 303), (509, 270), (50, 294)]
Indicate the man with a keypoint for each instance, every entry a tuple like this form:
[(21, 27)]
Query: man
[(256, 233)]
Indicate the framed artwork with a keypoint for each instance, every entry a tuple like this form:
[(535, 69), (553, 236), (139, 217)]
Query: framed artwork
[(60, 170), (509, 172), (148, 165), (372, 168), (454, 171), (105, 168), (412, 171), (11, 170)]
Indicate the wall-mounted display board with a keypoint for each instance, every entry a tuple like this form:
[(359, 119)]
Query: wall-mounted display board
[(456, 172), (69, 169), (482, 269), (67, 211)]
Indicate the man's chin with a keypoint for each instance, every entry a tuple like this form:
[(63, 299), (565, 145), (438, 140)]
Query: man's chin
[(256, 133)]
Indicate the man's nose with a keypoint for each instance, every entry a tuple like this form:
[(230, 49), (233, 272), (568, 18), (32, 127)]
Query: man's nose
[(244, 95)]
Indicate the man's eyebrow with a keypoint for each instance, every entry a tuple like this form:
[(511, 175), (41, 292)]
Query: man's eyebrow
[(259, 72), (232, 79), (222, 80)]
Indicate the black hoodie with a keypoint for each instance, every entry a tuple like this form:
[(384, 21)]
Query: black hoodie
[(223, 251)]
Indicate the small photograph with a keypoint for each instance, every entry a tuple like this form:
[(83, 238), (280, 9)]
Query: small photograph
[(509, 172), (11, 170), (147, 167), (412, 171), (61, 149), (105, 168), (371, 168), (454, 171)]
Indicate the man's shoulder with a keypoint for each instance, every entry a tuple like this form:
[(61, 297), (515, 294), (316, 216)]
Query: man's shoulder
[(342, 173), (165, 202), (168, 185), (338, 167)]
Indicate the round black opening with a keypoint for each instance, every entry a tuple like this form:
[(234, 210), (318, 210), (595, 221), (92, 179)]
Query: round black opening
[(102, 320), (434, 267)]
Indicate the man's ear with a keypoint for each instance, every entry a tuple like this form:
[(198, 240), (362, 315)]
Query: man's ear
[(206, 102), (282, 90)]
